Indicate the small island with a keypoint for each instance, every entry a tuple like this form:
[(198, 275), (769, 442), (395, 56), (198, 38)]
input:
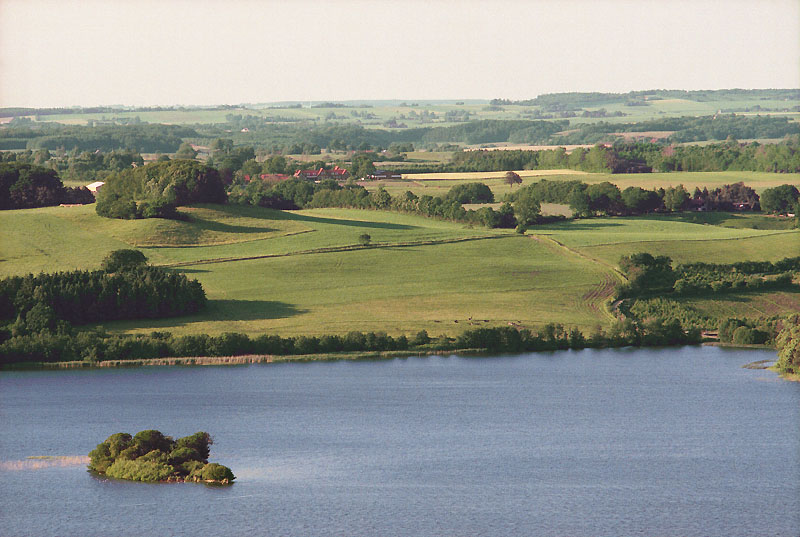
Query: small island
[(151, 457)]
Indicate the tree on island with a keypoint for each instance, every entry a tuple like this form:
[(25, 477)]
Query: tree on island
[(149, 456)]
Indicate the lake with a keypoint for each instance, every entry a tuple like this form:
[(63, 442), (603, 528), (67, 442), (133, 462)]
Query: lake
[(666, 442)]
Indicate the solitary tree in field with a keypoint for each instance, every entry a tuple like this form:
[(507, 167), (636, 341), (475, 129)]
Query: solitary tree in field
[(512, 178), (364, 239)]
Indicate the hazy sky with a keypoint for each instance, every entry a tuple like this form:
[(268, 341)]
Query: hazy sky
[(150, 52)]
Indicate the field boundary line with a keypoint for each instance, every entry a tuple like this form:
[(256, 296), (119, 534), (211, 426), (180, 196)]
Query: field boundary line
[(784, 232), (578, 253), (333, 249)]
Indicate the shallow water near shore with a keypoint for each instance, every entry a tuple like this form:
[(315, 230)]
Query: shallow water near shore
[(668, 442)]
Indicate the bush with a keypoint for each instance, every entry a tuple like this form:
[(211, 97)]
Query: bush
[(749, 336), (182, 455), (217, 472), (471, 193), (123, 259), (150, 440), (140, 470), (743, 336), (199, 442)]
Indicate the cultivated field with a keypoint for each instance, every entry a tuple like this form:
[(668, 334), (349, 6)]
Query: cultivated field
[(439, 183), (304, 272)]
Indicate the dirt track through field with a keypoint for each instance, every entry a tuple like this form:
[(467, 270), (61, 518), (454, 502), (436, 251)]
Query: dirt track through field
[(596, 299), (599, 294)]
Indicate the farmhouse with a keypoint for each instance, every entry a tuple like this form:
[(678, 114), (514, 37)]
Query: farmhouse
[(94, 187), (339, 173)]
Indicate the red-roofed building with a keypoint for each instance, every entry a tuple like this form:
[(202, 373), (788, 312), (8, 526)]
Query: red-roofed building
[(339, 173), (311, 175)]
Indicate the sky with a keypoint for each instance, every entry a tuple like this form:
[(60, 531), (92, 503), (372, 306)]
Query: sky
[(211, 52)]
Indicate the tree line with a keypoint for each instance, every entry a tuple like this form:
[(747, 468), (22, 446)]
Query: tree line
[(788, 342), (86, 166), (24, 186), (580, 99), (93, 346), (653, 276), (783, 157), (144, 138), (606, 198), (298, 193)]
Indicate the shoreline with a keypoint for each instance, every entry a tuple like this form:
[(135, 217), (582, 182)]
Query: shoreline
[(249, 359), (246, 359)]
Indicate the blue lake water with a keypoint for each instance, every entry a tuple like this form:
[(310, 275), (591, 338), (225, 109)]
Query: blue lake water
[(662, 442)]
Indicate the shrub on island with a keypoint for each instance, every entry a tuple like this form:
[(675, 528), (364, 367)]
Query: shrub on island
[(151, 457)]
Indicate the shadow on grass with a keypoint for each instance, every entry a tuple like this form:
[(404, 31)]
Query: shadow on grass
[(249, 310), (740, 294), (574, 225), (733, 220), (342, 222), (204, 224)]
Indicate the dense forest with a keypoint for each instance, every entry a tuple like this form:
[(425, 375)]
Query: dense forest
[(47, 305), (144, 138)]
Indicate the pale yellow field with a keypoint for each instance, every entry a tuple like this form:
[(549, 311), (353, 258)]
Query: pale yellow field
[(461, 176)]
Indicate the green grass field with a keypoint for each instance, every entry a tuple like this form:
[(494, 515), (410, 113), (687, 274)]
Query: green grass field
[(304, 272), (382, 111)]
